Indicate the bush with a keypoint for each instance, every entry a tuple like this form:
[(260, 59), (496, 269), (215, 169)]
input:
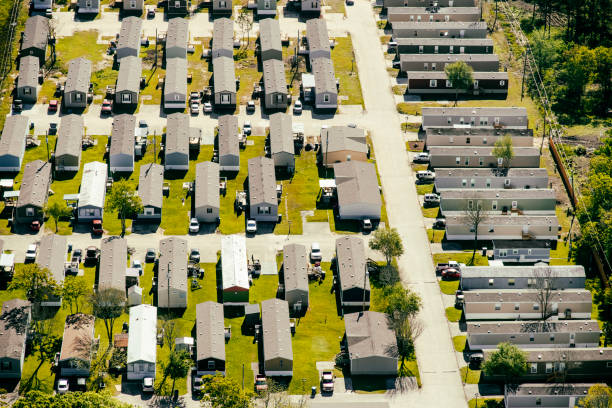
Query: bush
[(580, 150), (118, 361), (342, 359)]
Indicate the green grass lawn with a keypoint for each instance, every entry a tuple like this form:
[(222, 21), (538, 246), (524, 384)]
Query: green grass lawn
[(435, 235), (486, 403), (461, 257), (469, 376), (449, 287), (459, 343), (423, 189), (452, 314), (245, 62), (430, 212), (410, 127), (346, 71), (151, 94)]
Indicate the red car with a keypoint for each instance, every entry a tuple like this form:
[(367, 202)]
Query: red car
[(96, 227), (35, 226), (451, 273), (107, 107), (53, 105)]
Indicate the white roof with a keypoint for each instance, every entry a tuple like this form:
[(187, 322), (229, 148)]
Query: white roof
[(7, 260), (327, 183), (142, 337), (308, 80), (93, 185), (234, 262)]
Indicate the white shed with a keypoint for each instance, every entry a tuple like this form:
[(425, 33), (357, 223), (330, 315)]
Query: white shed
[(134, 295), (142, 342), (93, 191)]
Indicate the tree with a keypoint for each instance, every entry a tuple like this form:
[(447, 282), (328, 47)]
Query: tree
[(459, 74), (89, 399), (474, 216), (74, 289), (178, 366), (44, 345), (504, 150), (599, 396), (406, 332), (123, 199), (108, 305), (37, 282), (508, 361), (245, 21), (55, 211), (276, 396), (400, 303), (223, 392), (545, 283), (387, 241)]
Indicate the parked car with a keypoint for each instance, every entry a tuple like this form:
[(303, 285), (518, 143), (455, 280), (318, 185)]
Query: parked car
[(92, 255), (35, 225), (31, 253), (96, 227), (53, 105), (451, 274), (261, 384), (421, 158), (459, 299), (194, 255), (251, 226), (197, 384), (350, 2), (476, 360), (194, 96), (297, 107), (107, 107), (445, 265), (327, 382), (425, 175), (366, 224), (208, 107), (431, 199), (194, 107), (62, 386), (440, 223), (150, 255), (392, 44), (246, 128), (315, 252), (250, 108), (136, 264), (147, 384), (17, 105), (194, 226), (150, 12)]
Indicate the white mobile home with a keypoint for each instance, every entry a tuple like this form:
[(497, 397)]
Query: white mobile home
[(93, 192), (234, 270), (142, 342)]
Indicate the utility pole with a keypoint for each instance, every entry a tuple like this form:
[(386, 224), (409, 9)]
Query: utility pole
[(524, 69), (47, 143), (168, 281), (155, 146), (365, 277)]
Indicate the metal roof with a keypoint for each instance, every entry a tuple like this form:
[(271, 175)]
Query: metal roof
[(177, 134), (523, 271), (478, 131), (113, 263), (357, 183), (281, 133), (476, 75), (274, 77), (341, 138), (176, 77), (351, 263), (123, 135), (438, 12), (142, 337), (36, 33), (129, 35), (79, 74), (223, 35), (35, 183), (70, 136), (178, 33), (262, 181), (555, 355), (130, 71), (492, 194), (210, 331), (228, 136), (93, 185), (207, 185), (14, 322), (548, 389), (172, 254), (77, 340), (467, 112), (513, 327), (525, 295), (368, 335), (224, 76), (479, 151), (316, 33), (529, 220), (442, 42), (13, 135), (234, 262), (439, 25), (29, 67), (325, 79), (275, 328), (489, 172), (269, 35), (295, 267), (52, 255), (150, 183), (450, 58)]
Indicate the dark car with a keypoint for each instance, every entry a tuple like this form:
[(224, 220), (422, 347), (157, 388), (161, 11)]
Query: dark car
[(194, 255), (150, 255), (476, 360)]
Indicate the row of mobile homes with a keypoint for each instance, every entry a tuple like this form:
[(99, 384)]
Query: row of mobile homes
[(52, 256), (113, 264), (443, 45), (228, 144), (504, 227), (436, 82), (522, 277), (150, 191), (433, 14), (33, 192), (69, 143), (263, 202), (493, 178), (482, 157), (206, 192), (12, 143), (498, 201), (235, 276), (496, 118), (428, 3), (476, 136), (442, 29), (437, 62)]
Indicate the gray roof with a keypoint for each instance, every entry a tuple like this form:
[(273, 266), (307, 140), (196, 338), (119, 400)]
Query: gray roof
[(210, 331), (123, 134), (176, 76), (207, 184), (479, 151), (150, 185), (113, 263), (269, 35), (316, 32), (52, 255), (178, 33), (450, 58), (274, 77), (130, 71), (492, 194), (13, 135), (475, 131), (228, 136), (129, 35), (476, 75), (29, 67), (34, 187), (295, 267), (79, 74), (513, 327), (177, 134), (275, 326), (531, 220), (525, 295), (14, 322), (440, 11), (368, 335), (556, 354), (490, 172), (351, 262), (281, 133), (356, 182), (70, 136), (223, 34), (262, 181), (515, 244), (549, 389), (340, 138), (173, 252), (461, 111), (224, 76), (459, 42), (523, 271), (36, 33), (325, 79), (439, 25)]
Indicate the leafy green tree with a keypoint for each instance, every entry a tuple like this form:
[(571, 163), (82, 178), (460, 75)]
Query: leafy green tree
[(576, 73), (508, 361), (39, 399), (108, 305), (387, 241), (123, 199), (178, 365), (44, 345), (546, 51), (37, 282), (400, 303), (504, 150), (599, 396), (74, 290), (603, 77), (223, 392), (460, 76), (57, 210)]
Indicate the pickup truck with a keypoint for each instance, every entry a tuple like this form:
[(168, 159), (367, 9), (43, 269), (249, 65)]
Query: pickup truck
[(327, 382), (92, 255), (261, 384), (450, 264)]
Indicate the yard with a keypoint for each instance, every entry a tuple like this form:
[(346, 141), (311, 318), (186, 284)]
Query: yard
[(343, 58), (461, 257)]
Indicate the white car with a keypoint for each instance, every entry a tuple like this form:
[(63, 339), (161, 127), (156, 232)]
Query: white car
[(194, 108), (62, 386), (31, 252), (251, 226), (148, 384), (136, 264), (425, 175), (315, 252), (431, 199), (194, 226), (421, 158), (297, 107), (207, 107), (247, 128)]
